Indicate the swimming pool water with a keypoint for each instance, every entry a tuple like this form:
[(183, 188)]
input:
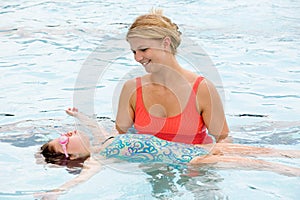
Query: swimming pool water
[(254, 45)]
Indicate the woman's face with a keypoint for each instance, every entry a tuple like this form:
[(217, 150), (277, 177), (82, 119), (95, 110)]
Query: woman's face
[(77, 145), (148, 52)]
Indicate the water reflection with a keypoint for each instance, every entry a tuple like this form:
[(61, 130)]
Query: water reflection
[(170, 181)]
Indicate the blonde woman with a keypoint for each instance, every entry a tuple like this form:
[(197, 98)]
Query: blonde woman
[(168, 102)]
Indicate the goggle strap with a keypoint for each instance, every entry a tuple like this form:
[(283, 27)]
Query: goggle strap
[(65, 150)]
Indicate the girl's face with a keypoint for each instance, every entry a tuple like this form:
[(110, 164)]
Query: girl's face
[(148, 52), (77, 145)]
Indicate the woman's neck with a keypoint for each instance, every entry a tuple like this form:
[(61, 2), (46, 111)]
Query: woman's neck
[(169, 73)]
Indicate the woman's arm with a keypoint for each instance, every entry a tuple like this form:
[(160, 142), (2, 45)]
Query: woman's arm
[(230, 149), (211, 108), (126, 107)]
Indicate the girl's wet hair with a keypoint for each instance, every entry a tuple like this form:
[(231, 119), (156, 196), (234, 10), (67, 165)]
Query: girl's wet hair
[(60, 159)]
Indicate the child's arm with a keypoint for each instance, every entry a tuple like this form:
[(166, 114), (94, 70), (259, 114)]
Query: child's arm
[(98, 132), (90, 168), (238, 162)]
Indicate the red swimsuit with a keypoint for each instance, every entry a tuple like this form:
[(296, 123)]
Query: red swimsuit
[(186, 127)]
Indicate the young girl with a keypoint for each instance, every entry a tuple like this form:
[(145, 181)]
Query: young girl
[(76, 145)]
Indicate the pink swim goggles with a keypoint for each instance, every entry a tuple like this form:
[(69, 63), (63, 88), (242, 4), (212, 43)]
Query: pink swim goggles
[(63, 141)]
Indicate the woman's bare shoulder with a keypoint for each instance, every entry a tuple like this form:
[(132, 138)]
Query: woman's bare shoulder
[(129, 85), (205, 86)]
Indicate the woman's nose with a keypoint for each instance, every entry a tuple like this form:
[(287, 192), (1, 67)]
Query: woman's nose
[(138, 56)]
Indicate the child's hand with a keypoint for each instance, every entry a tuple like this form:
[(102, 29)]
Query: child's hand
[(72, 111), (49, 195)]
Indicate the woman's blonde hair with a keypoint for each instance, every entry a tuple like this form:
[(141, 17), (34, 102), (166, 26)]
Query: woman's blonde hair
[(155, 26)]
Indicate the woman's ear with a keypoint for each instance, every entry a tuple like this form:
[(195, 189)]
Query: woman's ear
[(167, 43)]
